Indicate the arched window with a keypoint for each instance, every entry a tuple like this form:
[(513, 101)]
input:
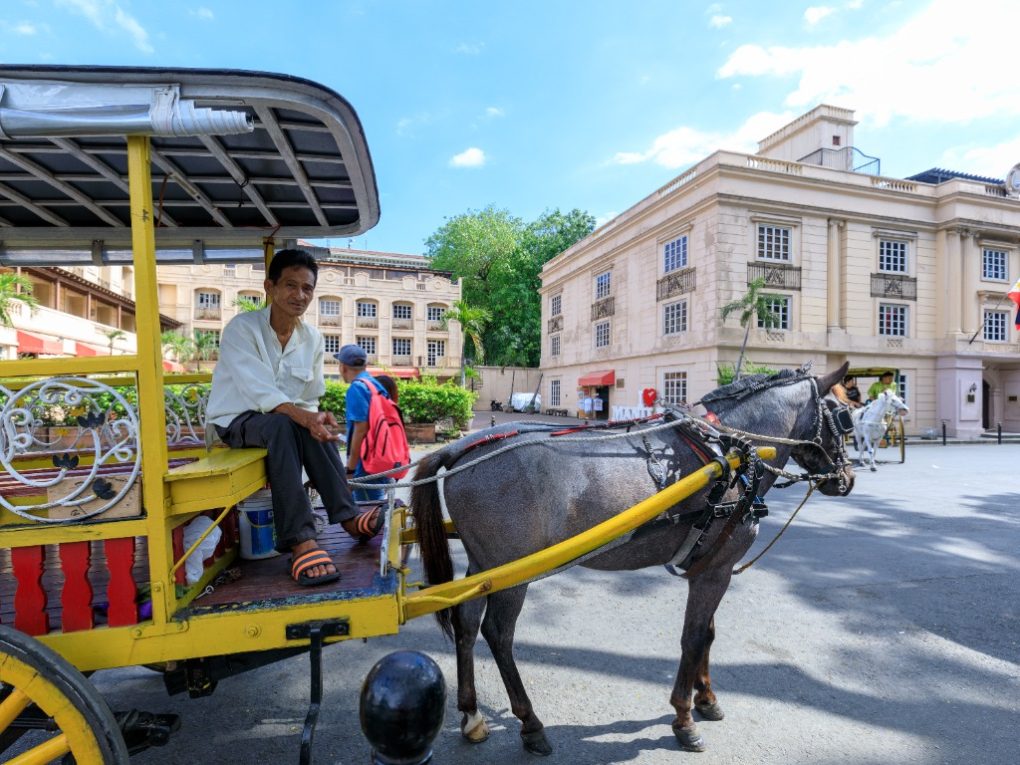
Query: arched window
[(207, 304), (403, 315), (435, 314), (367, 312), (249, 300), (330, 309)]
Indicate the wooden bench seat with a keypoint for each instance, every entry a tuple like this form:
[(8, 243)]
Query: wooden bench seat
[(222, 478)]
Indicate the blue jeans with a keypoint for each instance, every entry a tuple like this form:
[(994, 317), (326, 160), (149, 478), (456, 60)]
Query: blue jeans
[(366, 495)]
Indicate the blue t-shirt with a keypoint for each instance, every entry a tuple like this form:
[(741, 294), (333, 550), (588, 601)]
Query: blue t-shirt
[(358, 398)]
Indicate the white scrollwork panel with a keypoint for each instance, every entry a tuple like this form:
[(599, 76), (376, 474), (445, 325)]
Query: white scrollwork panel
[(107, 429), (185, 413)]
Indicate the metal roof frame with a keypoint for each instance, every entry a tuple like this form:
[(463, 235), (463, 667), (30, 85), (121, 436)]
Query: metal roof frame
[(303, 172)]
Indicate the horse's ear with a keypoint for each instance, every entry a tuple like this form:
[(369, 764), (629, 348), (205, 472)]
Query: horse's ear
[(825, 382)]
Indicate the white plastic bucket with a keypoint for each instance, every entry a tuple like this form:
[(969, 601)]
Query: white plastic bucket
[(256, 529)]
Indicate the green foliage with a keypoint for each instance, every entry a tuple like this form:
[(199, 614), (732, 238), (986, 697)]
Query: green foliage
[(752, 306), (334, 399), (428, 402), (499, 259), (179, 345), (248, 303), (14, 287), (727, 373), (472, 323)]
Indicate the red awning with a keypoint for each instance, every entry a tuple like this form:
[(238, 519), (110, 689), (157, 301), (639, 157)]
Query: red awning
[(81, 349), (597, 379), (407, 374), (29, 343), (172, 366)]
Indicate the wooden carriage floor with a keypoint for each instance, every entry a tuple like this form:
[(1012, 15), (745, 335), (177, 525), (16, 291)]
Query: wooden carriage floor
[(266, 583)]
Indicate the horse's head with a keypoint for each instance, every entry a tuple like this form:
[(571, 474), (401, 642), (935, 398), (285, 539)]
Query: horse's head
[(894, 403), (822, 452)]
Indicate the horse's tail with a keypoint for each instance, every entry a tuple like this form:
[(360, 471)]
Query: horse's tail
[(428, 520)]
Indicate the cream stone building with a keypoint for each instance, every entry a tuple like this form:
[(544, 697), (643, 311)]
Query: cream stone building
[(392, 305), (908, 274)]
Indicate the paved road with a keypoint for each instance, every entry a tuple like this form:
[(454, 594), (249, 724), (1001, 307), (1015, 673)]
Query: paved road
[(883, 628)]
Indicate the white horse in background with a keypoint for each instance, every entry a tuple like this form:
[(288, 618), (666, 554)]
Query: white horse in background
[(870, 425)]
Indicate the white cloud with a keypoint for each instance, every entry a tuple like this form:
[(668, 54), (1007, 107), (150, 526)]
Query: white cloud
[(855, 5), (816, 13), (719, 21), (473, 157), (25, 28), (470, 49), (683, 145), (108, 16), (203, 13), (407, 126), (713, 8), (601, 220), (992, 161), (493, 112), (941, 64)]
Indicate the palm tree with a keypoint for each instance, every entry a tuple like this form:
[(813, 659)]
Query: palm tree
[(472, 323), (113, 335), (181, 346), (753, 305), (248, 303), (205, 346), (14, 287)]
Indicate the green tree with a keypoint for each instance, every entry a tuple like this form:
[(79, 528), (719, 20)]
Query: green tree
[(752, 306), (472, 324), (113, 335), (499, 260), (14, 288), (180, 346), (248, 303), (206, 343)]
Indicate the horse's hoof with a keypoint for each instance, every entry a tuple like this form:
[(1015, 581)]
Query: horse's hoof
[(711, 711), (537, 743), (874, 469), (474, 728), (689, 739)]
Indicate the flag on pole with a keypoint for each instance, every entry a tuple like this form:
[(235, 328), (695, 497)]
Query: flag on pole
[(1014, 295)]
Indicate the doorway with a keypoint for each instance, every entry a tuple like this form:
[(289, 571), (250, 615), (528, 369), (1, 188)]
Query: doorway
[(986, 405)]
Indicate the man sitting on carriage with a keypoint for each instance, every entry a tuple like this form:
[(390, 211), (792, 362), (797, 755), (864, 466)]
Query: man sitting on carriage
[(265, 393), (884, 382)]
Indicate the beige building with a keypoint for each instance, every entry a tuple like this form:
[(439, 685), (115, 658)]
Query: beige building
[(883, 272), (392, 305)]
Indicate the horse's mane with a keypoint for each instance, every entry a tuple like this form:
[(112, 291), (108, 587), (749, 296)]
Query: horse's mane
[(745, 386)]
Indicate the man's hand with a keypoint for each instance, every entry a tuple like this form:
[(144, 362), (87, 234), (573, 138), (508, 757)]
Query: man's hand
[(316, 423)]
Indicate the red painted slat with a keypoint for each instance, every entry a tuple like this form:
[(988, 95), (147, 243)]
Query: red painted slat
[(121, 591), (76, 597), (30, 598)]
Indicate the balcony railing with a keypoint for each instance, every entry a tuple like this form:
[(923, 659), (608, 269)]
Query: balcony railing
[(604, 308), (436, 325), (675, 283), (329, 321), (402, 323), (556, 324), (434, 362), (207, 314), (371, 322), (778, 275), (402, 361), (899, 286)]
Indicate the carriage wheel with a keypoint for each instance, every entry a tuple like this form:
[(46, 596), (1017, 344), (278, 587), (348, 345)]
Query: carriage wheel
[(40, 688)]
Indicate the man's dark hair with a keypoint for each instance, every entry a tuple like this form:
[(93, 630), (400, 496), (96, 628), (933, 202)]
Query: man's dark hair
[(848, 378), (886, 374), (288, 258)]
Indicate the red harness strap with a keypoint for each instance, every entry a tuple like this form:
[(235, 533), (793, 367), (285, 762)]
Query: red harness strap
[(489, 439)]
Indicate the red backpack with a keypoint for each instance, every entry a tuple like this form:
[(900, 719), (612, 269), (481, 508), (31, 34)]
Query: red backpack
[(385, 445)]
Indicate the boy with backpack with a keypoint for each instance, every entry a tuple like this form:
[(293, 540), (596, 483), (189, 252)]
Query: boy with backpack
[(375, 433)]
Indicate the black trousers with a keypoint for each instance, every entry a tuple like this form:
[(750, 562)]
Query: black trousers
[(292, 447)]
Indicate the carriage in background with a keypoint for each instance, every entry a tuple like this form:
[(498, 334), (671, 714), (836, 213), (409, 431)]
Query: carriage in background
[(893, 439)]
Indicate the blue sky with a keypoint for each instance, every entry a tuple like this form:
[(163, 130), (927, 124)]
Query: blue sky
[(536, 105)]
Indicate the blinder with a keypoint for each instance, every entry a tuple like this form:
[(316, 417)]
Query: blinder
[(843, 419)]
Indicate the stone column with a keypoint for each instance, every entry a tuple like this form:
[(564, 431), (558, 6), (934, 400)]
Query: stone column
[(953, 283), (834, 274), (970, 264)]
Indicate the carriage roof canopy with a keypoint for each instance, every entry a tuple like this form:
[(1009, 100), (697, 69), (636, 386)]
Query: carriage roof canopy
[(237, 156)]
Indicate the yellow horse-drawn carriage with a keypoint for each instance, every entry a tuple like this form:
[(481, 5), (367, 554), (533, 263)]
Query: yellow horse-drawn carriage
[(137, 167)]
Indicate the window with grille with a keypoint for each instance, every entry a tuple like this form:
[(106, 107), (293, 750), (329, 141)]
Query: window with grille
[(436, 312), (367, 310), (229, 269), (892, 320), (401, 311), (779, 307), (603, 285), (773, 242), (555, 305), (368, 344), (332, 344), (901, 386), (329, 307), (602, 334), (401, 346), (674, 387), (674, 254), (435, 351), (995, 326), (554, 393), (209, 301), (554, 345), (994, 265), (892, 256), (674, 317)]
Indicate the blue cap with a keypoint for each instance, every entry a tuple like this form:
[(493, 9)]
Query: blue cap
[(352, 355)]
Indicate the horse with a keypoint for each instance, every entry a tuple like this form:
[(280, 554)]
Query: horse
[(553, 487), (870, 425)]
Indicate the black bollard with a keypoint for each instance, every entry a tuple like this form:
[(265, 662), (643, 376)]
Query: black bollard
[(403, 701), (943, 434), (998, 430)]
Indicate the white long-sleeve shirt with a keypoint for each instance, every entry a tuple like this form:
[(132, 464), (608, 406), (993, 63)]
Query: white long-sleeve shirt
[(255, 374)]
